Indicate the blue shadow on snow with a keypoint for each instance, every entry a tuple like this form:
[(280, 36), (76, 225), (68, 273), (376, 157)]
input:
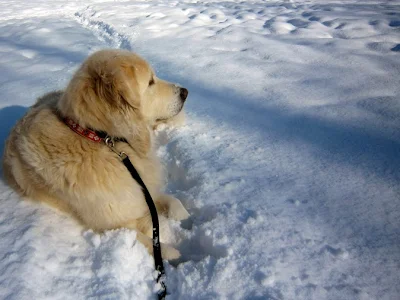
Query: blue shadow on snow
[(8, 118)]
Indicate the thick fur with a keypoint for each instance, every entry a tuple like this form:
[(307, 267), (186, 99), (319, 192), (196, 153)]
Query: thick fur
[(44, 160)]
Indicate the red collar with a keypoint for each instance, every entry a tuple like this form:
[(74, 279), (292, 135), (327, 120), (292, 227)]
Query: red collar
[(87, 133)]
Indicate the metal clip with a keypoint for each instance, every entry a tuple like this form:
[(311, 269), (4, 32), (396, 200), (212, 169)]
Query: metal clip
[(109, 141)]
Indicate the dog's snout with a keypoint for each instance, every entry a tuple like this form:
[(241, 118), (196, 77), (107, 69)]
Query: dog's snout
[(184, 93)]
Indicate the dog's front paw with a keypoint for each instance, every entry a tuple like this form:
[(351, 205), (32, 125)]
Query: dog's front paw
[(169, 253), (177, 211)]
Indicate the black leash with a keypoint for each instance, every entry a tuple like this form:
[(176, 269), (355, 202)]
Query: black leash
[(158, 262), (156, 235)]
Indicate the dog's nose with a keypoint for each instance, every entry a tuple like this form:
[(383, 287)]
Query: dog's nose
[(184, 93)]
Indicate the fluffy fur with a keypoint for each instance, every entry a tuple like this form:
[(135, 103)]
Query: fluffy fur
[(113, 91)]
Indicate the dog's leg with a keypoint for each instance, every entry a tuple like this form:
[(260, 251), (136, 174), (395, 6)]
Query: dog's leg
[(168, 252), (171, 207), (144, 230)]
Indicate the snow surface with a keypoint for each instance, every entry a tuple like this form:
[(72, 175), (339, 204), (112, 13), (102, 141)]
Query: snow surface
[(288, 163)]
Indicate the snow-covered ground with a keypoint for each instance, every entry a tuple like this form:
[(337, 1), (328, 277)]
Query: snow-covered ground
[(289, 162)]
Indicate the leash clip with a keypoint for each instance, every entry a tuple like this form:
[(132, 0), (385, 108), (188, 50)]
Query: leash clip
[(109, 141)]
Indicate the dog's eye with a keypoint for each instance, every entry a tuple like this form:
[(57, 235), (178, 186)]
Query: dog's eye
[(151, 82)]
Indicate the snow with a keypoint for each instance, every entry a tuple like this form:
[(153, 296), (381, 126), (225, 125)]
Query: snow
[(288, 162)]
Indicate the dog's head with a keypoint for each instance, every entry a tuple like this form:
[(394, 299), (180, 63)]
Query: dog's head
[(118, 92)]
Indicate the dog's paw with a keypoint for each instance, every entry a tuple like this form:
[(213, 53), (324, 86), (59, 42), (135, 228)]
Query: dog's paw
[(169, 253), (171, 207), (177, 211)]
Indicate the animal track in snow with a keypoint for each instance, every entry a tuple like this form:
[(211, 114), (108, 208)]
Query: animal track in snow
[(335, 252), (104, 31)]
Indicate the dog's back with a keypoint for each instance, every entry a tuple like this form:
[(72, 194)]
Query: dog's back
[(25, 150)]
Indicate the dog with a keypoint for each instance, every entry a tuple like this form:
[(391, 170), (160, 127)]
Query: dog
[(113, 91)]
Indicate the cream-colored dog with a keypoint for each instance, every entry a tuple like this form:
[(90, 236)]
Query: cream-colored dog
[(116, 92)]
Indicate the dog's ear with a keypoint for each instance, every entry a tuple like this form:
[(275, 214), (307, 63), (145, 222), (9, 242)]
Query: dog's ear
[(114, 86), (106, 97), (119, 88)]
